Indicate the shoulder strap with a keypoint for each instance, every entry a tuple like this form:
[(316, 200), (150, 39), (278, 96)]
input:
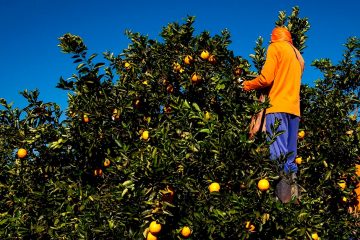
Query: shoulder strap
[(299, 58)]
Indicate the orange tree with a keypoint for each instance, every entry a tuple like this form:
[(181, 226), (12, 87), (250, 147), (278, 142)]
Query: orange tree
[(330, 147), (160, 133)]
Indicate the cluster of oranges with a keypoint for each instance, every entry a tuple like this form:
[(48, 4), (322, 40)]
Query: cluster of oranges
[(155, 228), (301, 135), (263, 185), (188, 60)]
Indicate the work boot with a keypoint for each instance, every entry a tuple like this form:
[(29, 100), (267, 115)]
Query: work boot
[(287, 188), (283, 190)]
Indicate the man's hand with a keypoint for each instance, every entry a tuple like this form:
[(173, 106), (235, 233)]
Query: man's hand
[(240, 82), (246, 86), (243, 84)]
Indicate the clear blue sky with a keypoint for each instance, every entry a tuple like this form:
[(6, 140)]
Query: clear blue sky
[(30, 58)]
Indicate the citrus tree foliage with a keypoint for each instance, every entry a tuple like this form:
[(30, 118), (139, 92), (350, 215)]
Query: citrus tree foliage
[(148, 131), (331, 146), (296, 25)]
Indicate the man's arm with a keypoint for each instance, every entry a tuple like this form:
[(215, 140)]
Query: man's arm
[(267, 74)]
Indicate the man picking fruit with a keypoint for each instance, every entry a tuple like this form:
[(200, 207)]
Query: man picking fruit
[(281, 74)]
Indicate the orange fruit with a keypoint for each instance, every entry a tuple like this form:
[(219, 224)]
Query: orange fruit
[(21, 153), (357, 191), (212, 59), (86, 119), (127, 65), (188, 59), (205, 54), (350, 132), (170, 88), (107, 162), (167, 194), (207, 116), (115, 115), (167, 109), (342, 184), (195, 78), (250, 226), (98, 172), (72, 114), (150, 236), (357, 167), (154, 227), (145, 135), (177, 67), (263, 185), (315, 236), (298, 160), (214, 187), (301, 134), (165, 82), (185, 232), (137, 103)]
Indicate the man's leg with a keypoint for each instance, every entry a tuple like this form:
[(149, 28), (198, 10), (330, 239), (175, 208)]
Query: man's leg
[(293, 129), (292, 146), (279, 147), (285, 189)]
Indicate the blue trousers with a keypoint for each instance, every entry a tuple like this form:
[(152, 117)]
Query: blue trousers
[(286, 143)]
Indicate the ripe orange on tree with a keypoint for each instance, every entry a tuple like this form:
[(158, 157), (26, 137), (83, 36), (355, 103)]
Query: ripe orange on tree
[(127, 65), (21, 153), (357, 171), (214, 187), (298, 160), (205, 54), (107, 162), (98, 172), (72, 114), (154, 228), (115, 114), (185, 232), (212, 59), (86, 118), (177, 67), (145, 135), (188, 60), (342, 184), (137, 103), (301, 134), (164, 81), (195, 78), (150, 236), (263, 185), (167, 109), (170, 88), (207, 115), (314, 236), (167, 194), (250, 226)]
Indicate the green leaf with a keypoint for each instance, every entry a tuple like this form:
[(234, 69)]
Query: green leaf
[(80, 66)]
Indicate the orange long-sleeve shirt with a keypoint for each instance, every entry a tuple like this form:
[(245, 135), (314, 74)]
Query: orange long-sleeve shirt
[(282, 73)]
